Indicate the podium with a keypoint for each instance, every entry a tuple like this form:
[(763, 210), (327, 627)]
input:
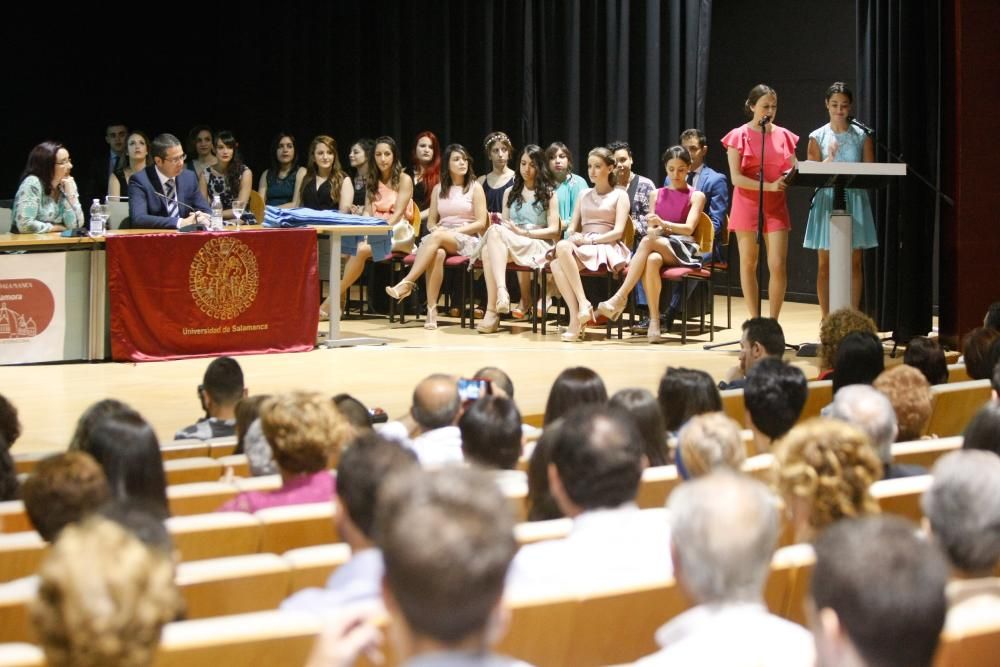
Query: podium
[(840, 176)]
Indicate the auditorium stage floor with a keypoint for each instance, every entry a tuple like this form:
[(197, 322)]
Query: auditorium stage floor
[(51, 397)]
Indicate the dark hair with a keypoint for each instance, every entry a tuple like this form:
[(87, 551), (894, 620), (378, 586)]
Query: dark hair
[(775, 394), (983, 430), (607, 158), (926, 355), (841, 88), (126, 447), (498, 377), (491, 433), (886, 585), (992, 319), (767, 332), (859, 360), (394, 171), (995, 379), (470, 176), (432, 414), (544, 181), (10, 430), (554, 148), (247, 411), (223, 380), (619, 145), (976, 349), (192, 139), (598, 456), (42, 164), (142, 521), (164, 142), (63, 489), (103, 409), (354, 411), (676, 153), (694, 133), (647, 418), (431, 174), (362, 469), (684, 393), (235, 167), (574, 386), (275, 167), (757, 92), (541, 505)]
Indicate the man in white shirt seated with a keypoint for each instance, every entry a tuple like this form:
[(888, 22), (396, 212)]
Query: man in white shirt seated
[(368, 462), (723, 532), (594, 474), (432, 432)]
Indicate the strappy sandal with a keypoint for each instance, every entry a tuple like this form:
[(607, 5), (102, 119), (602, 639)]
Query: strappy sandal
[(402, 290), (503, 301), (609, 311)]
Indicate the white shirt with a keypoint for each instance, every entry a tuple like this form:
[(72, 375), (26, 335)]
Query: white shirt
[(696, 176), (740, 634), (358, 580), (441, 446), (605, 550)]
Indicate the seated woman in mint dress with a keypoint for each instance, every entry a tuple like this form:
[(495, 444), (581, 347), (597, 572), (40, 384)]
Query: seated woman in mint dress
[(839, 141), (47, 199)]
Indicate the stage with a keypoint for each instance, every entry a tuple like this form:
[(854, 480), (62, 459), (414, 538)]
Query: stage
[(49, 398)]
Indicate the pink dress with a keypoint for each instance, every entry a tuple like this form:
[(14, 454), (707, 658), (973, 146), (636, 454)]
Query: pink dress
[(597, 216), (315, 488), (779, 153), (456, 210), (674, 206)]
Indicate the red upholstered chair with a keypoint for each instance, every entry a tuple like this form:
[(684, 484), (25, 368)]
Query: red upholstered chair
[(452, 262)]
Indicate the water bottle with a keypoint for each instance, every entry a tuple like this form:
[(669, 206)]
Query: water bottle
[(98, 216), (216, 213)]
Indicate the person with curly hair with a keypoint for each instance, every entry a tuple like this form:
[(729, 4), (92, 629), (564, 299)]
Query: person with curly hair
[(910, 394), (834, 329), (824, 469), (306, 433), (103, 598)]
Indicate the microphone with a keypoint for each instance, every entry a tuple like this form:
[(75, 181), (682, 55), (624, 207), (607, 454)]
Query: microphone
[(857, 123), (764, 121)]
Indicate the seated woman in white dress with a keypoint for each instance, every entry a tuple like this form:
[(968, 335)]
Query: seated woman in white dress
[(529, 226), (675, 212), (457, 217), (594, 240)]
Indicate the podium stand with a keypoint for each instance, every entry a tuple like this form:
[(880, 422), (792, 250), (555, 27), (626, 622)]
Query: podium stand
[(840, 176)]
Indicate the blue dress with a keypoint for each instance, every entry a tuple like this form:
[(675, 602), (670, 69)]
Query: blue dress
[(850, 148)]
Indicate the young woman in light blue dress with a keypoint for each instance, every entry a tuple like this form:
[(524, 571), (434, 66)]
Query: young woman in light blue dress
[(839, 141)]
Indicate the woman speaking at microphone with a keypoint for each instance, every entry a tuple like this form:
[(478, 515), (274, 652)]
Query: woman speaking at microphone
[(743, 149)]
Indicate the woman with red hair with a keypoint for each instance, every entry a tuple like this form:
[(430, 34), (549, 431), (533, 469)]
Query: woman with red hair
[(425, 170)]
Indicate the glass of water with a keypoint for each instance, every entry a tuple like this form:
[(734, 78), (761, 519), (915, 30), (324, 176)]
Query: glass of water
[(238, 208)]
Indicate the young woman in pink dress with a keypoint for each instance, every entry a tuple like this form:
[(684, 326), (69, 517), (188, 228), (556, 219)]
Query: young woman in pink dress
[(674, 214), (457, 217), (594, 240), (743, 146)]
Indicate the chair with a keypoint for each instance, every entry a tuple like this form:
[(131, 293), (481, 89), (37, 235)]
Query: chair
[(924, 452), (760, 467), (238, 463), (294, 526), (902, 495), (222, 446), (791, 568), (820, 395), (21, 655), (954, 405), (395, 261), (173, 451), (25, 462), (261, 483), (704, 235), (233, 585), (203, 536), (655, 486), (540, 632), (13, 518), (198, 497), (256, 206), (957, 373), (733, 406), (15, 622), (192, 469), (972, 646), (725, 249), (529, 532), (20, 554), (311, 567)]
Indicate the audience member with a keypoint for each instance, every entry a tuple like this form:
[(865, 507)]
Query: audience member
[(962, 510), (910, 395), (859, 360), (229, 178), (10, 431), (834, 328), (877, 595), (219, 392), (762, 337), (824, 470), (435, 411), (707, 442), (645, 411), (107, 163), (594, 473), (165, 195), (491, 433), (774, 395), (201, 149), (983, 430), (281, 182), (306, 433), (502, 384), (247, 411), (574, 386), (361, 473), (976, 351), (103, 598), (869, 410), (138, 155), (47, 200), (64, 489), (926, 355), (354, 411), (541, 505), (992, 318), (684, 393), (723, 531)]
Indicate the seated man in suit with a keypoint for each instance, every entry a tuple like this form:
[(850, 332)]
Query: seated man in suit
[(165, 195)]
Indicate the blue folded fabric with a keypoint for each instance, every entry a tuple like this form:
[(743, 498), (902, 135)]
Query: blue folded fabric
[(300, 217)]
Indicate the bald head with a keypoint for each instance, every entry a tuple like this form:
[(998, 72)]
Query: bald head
[(724, 528), (435, 402)]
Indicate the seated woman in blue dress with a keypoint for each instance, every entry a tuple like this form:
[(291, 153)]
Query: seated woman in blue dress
[(229, 178), (280, 183), (47, 199)]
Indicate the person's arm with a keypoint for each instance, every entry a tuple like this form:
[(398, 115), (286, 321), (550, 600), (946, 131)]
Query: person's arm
[(403, 197), (297, 196), (621, 219), (812, 152), (654, 223), (346, 195), (868, 150), (575, 223), (745, 182), (203, 185), (114, 188), (262, 186), (693, 217), (138, 208), (432, 212)]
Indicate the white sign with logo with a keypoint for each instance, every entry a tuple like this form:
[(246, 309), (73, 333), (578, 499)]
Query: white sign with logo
[(32, 307)]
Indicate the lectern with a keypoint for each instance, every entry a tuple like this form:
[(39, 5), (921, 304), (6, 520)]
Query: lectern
[(840, 176)]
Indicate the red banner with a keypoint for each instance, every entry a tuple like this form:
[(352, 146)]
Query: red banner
[(211, 294)]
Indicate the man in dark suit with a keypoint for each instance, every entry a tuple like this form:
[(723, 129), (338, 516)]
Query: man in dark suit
[(166, 195), (115, 135)]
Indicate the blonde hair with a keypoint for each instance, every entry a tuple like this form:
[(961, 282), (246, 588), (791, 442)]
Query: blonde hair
[(305, 431), (710, 441), (836, 326), (103, 598), (910, 394), (830, 465)]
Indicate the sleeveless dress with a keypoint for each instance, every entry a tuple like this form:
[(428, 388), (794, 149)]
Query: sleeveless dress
[(455, 211), (779, 153), (494, 196), (217, 186), (318, 200), (523, 250), (674, 206), (597, 216), (381, 244), (280, 190), (567, 193), (850, 148)]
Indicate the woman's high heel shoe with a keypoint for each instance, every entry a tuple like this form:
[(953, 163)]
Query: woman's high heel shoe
[(608, 309), (570, 337), (586, 315), (402, 290), (503, 301), (489, 324)]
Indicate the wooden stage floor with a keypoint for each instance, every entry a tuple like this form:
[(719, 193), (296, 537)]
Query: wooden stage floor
[(49, 398)]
